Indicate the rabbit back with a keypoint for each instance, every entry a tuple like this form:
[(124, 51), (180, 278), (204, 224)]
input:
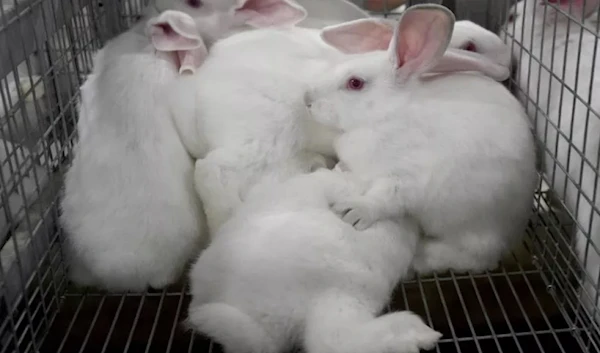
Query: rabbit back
[(258, 97), (129, 208), (463, 161), (280, 275)]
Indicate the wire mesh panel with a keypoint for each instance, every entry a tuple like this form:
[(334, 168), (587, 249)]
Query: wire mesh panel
[(555, 47), (543, 297), (46, 52)]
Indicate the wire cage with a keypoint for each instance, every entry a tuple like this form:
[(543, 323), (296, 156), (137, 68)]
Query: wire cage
[(538, 300)]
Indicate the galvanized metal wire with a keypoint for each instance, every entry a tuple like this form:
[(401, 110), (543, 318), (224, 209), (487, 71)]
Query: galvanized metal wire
[(532, 303)]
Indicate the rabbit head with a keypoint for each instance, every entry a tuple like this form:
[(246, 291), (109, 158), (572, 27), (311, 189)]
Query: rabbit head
[(472, 37), (356, 90), (215, 18)]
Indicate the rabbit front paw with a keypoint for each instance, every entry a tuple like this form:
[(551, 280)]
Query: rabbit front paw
[(359, 212)]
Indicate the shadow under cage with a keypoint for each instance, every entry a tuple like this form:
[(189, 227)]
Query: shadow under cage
[(541, 299)]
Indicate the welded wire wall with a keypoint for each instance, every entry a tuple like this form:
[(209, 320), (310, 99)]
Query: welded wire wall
[(555, 82), (47, 48)]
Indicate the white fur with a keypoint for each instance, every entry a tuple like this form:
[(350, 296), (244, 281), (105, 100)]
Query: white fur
[(130, 210), (486, 43), (249, 97), (555, 109), (249, 101), (130, 213), (454, 151), (226, 176), (215, 19), (285, 271)]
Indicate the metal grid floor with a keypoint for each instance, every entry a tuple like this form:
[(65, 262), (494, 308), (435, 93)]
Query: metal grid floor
[(521, 307), (505, 311)]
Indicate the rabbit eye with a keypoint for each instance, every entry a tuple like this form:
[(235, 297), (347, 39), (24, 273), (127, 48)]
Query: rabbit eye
[(195, 3), (511, 18), (355, 84), (470, 46)]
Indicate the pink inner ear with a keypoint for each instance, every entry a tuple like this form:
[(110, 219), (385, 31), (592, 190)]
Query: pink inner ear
[(166, 29), (420, 39), (359, 36), (166, 38), (173, 30), (412, 46), (264, 13)]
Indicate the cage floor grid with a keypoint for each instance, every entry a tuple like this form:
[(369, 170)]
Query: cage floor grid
[(503, 311)]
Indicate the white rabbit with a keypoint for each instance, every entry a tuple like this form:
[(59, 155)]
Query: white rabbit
[(454, 151), (214, 20), (286, 271), (472, 37), (259, 101), (567, 130), (130, 211)]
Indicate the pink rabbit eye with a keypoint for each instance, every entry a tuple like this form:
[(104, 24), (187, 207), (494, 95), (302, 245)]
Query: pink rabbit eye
[(470, 47), (195, 3), (355, 84)]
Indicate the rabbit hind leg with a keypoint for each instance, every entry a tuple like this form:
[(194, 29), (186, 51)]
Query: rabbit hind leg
[(342, 323)]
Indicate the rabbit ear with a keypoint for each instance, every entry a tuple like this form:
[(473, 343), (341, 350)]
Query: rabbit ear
[(420, 39), (266, 13), (174, 31), (190, 60), (359, 36), (579, 8), (456, 60)]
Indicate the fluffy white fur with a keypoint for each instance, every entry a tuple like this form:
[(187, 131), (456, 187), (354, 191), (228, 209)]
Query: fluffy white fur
[(286, 271), (130, 210), (454, 151), (249, 102), (471, 36), (568, 132), (249, 98)]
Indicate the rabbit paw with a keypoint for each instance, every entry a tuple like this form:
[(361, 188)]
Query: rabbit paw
[(409, 332), (358, 212)]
